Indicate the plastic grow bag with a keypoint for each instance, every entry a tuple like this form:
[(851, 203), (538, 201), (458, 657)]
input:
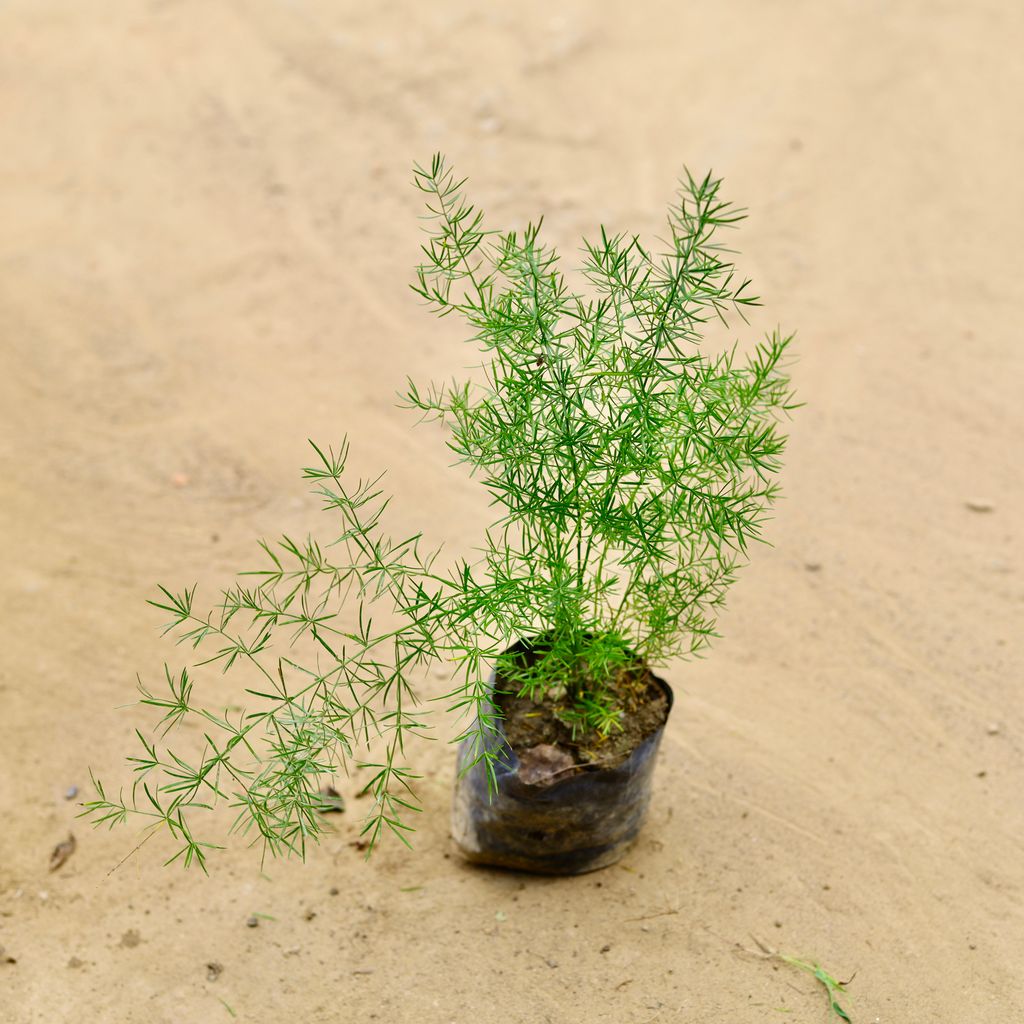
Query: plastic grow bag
[(580, 823)]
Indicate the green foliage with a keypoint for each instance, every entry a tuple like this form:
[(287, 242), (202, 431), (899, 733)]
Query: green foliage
[(833, 988), (629, 471)]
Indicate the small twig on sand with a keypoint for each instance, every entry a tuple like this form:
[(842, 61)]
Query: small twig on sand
[(648, 917)]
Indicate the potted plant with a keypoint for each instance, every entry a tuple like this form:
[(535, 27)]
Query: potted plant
[(629, 471)]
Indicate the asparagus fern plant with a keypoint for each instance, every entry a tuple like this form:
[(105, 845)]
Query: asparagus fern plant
[(629, 470)]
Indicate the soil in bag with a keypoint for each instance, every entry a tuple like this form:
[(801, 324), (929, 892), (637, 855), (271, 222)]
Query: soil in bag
[(560, 800), (529, 724)]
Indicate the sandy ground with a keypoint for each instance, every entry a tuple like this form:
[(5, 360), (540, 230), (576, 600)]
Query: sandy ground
[(206, 231)]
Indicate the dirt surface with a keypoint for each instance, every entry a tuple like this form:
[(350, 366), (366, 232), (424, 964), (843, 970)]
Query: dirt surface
[(529, 723), (206, 231)]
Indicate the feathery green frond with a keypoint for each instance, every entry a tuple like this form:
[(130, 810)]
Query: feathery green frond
[(629, 471)]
